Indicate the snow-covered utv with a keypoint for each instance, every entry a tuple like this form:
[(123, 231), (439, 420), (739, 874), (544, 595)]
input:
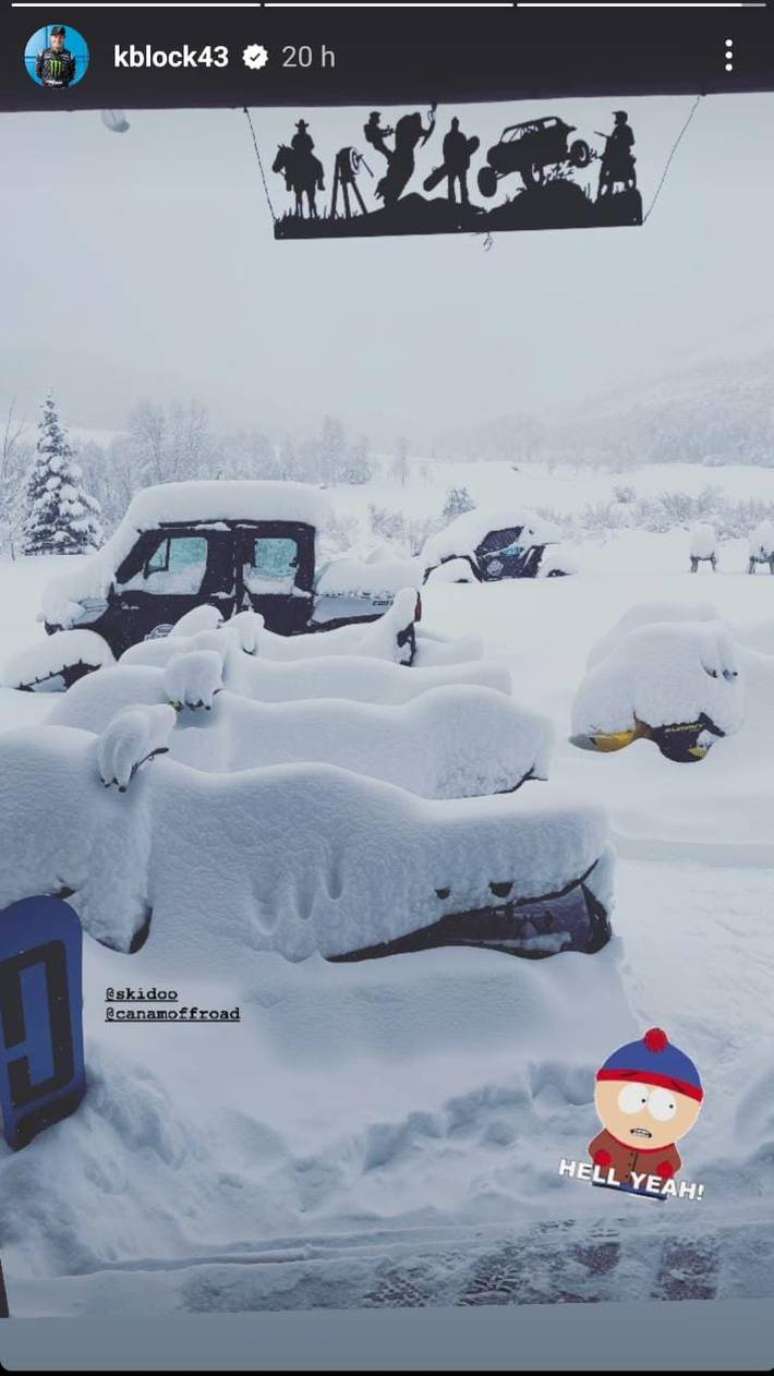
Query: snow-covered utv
[(488, 546), (232, 545)]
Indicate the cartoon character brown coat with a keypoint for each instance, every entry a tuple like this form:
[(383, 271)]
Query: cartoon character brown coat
[(606, 1151)]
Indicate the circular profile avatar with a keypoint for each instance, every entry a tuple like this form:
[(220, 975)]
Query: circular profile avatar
[(56, 56), (648, 1096)]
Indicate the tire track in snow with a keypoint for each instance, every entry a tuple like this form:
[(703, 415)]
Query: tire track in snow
[(651, 1256)]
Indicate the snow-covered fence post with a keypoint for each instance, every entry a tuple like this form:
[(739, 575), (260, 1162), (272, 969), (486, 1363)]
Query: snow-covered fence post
[(703, 546)]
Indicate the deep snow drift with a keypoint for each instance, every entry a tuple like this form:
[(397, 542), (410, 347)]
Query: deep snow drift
[(450, 742), (391, 1119), (294, 858), (356, 677), (44, 660)]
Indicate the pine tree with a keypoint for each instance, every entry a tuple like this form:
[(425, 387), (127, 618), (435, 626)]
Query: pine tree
[(61, 516)]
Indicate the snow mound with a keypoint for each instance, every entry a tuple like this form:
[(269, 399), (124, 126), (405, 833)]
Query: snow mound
[(757, 635), (434, 650), (160, 651), (703, 542), (131, 738), (226, 500), (646, 614), (196, 503), (465, 533), (44, 662), (387, 637), (337, 862), (376, 577), (663, 674), (348, 674), (192, 680), (384, 638), (203, 618), (418, 1050), (452, 570), (761, 543), (451, 742), (355, 678), (557, 561)]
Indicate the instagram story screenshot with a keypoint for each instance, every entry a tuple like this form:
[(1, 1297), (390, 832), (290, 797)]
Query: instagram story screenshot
[(386, 686)]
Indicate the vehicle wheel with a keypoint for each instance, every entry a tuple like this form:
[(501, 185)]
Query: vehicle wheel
[(487, 181), (533, 174), (556, 573), (580, 153)]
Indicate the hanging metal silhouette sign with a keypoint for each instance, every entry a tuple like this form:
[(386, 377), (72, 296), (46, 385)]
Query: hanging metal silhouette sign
[(541, 173), (42, 1076)]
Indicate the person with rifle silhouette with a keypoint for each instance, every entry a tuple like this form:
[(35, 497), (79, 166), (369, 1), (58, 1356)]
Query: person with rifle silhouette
[(617, 160)]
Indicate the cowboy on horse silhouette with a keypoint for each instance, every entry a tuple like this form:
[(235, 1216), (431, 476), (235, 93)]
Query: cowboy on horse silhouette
[(303, 172)]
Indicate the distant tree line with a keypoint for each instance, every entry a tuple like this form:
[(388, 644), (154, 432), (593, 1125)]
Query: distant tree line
[(45, 487)]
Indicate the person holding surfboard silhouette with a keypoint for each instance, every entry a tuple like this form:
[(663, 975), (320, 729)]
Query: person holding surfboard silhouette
[(457, 152), (456, 156)]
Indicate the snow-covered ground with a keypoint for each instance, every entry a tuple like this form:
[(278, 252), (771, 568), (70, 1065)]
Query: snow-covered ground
[(564, 491), (391, 1132)]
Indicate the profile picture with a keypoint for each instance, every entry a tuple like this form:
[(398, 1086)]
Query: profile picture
[(57, 56)]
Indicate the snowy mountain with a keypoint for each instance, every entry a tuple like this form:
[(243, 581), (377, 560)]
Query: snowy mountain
[(713, 412)]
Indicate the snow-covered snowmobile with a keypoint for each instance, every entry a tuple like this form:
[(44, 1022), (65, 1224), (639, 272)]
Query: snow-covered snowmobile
[(675, 683), (313, 858)]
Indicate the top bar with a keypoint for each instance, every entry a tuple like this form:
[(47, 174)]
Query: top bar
[(391, 56)]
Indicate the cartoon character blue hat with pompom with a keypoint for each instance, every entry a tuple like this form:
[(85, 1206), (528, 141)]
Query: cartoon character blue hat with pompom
[(648, 1095), (654, 1060)]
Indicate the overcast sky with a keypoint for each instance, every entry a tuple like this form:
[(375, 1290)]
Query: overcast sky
[(143, 265)]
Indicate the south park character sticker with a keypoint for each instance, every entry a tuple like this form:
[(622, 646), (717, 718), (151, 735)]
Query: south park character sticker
[(648, 1096)]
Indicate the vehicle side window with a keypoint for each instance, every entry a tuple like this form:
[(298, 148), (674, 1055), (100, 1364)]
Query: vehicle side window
[(273, 558), (178, 564)]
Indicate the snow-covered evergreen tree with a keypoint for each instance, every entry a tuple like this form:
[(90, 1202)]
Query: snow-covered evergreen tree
[(61, 516)]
